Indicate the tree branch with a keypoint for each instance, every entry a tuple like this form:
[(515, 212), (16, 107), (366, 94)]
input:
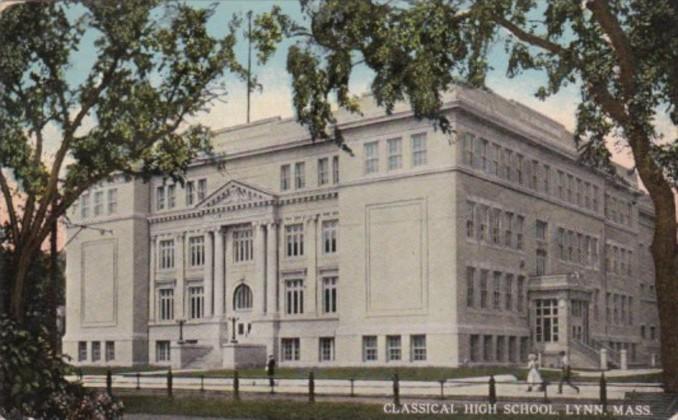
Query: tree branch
[(528, 37), (620, 43), (7, 193)]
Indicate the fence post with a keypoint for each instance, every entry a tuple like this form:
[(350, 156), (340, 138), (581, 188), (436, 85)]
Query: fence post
[(396, 389), (442, 389), (138, 380), (271, 382), (202, 383), (603, 391), (236, 385), (352, 389), (109, 382), (80, 374), (544, 385), (311, 387), (493, 391), (169, 382)]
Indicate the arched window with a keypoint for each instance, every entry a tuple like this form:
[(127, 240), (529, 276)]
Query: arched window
[(242, 298)]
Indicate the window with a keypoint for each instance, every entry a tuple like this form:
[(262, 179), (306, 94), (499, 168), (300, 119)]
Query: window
[(481, 154), (190, 193), (508, 164), (580, 189), (243, 244), (110, 351), (196, 302), (395, 154), (519, 169), (196, 249), (299, 175), (171, 196), (166, 306), (112, 201), (371, 157), (496, 155), (290, 349), (595, 198), (294, 296), (508, 292), (242, 298), (474, 347), (162, 351), (513, 341), (534, 184), (470, 286), (520, 222), (520, 299), (561, 185), (393, 350), (329, 236), (419, 149), (202, 189), (482, 213), (294, 238), (470, 214), (326, 350), (96, 351), (335, 169), (587, 195), (570, 188), (547, 320), (561, 243), (642, 331), (84, 206), (82, 351), (329, 295), (496, 289), (541, 228), (370, 348), (508, 231), (98, 203), (166, 250), (284, 177), (499, 348), (160, 198), (483, 288), (468, 149), (487, 348), (495, 220), (547, 179), (541, 262), (653, 332), (323, 171), (418, 348)]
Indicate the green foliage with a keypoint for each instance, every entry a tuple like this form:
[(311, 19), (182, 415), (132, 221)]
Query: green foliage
[(417, 50), (33, 384)]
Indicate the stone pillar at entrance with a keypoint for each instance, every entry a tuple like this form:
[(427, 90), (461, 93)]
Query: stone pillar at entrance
[(311, 232), (259, 268), (271, 305), (209, 274), (151, 279), (218, 273), (179, 265)]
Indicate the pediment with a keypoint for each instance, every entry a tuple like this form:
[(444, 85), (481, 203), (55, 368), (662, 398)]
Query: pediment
[(236, 193)]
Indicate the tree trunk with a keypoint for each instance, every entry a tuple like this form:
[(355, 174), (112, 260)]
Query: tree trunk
[(18, 280), (664, 254)]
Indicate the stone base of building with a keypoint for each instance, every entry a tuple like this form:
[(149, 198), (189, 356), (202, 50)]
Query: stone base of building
[(243, 356)]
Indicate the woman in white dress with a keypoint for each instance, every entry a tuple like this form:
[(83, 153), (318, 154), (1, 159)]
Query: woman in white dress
[(533, 376)]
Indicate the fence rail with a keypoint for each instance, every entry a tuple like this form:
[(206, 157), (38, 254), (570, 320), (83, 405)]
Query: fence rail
[(486, 388)]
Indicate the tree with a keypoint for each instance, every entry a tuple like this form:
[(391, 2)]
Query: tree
[(622, 55), (154, 66)]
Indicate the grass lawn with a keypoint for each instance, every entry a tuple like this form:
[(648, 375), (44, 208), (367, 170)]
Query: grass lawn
[(101, 370), (286, 410), (421, 373)]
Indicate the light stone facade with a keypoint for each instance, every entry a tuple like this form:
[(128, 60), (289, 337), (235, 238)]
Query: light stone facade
[(417, 249)]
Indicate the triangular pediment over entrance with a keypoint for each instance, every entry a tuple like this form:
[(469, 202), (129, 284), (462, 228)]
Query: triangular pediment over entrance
[(236, 193)]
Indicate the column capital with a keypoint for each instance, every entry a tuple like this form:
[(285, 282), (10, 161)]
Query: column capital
[(214, 229), (179, 235), (311, 218)]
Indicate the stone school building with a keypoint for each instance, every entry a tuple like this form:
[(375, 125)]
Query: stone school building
[(418, 249)]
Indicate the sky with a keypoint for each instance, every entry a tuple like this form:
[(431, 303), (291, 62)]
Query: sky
[(275, 97)]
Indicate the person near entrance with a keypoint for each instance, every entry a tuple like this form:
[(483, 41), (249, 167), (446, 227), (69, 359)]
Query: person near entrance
[(533, 375), (270, 369), (565, 373)]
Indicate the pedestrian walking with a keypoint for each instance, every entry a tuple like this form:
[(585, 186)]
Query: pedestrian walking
[(533, 376), (270, 369), (565, 373)]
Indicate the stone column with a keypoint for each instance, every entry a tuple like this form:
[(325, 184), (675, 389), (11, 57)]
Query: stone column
[(623, 359), (179, 267), (228, 259), (219, 273), (271, 305), (603, 359), (311, 248), (208, 271), (259, 268), (151, 279)]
